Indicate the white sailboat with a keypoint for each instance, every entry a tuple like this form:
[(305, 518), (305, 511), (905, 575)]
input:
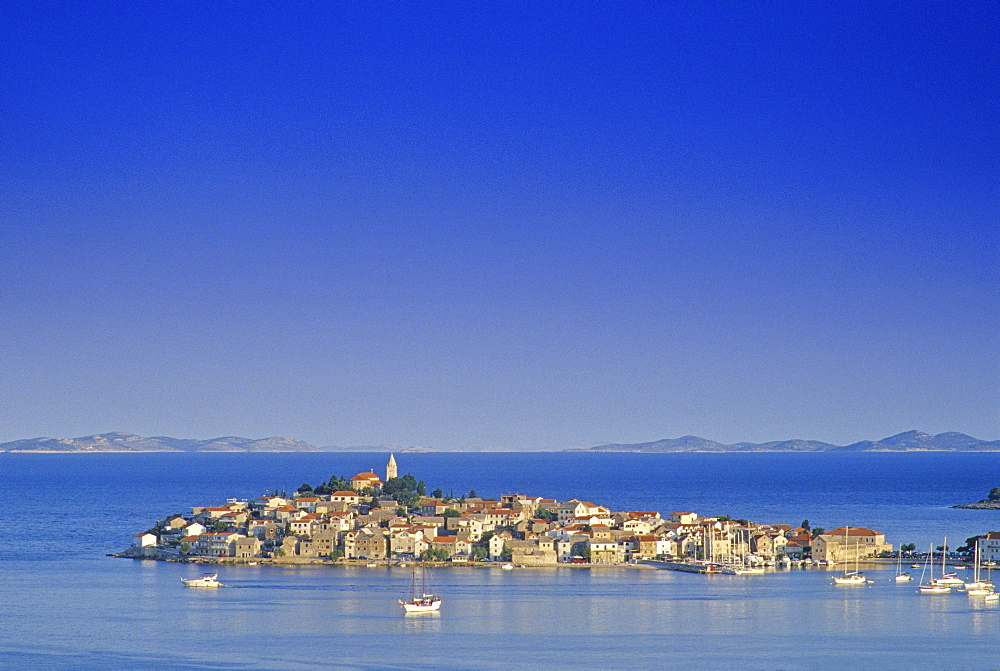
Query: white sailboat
[(932, 586), (949, 579), (901, 576), (420, 600), (746, 565), (978, 586), (854, 577)]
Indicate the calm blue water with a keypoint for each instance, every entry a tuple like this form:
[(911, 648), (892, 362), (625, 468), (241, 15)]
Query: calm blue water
[(66, 605)]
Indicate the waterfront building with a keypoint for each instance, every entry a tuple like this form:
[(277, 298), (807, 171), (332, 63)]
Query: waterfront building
[(847, 543), (144, 540), (989, 546)]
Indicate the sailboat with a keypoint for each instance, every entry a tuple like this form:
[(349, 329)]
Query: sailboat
[(932, 586), (854, 577), (901, 576), (978, 586), (746, 567), (949, 579), (420, 601)]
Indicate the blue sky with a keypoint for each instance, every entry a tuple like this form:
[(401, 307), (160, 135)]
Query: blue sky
[(517, 224)]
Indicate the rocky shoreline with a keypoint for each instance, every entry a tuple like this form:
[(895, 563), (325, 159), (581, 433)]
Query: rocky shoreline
[(985, 504)]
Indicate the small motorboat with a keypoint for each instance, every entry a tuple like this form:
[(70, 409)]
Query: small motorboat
[(207, 580)]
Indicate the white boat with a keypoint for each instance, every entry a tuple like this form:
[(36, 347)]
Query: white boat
[(854, 577), (371, 565), (420, 600), (992, 596), (901, 576), (978, 586), (207, 580), (932, 586), (508, 567)]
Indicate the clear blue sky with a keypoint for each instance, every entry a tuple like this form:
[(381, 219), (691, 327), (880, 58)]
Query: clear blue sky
[(522, 224)]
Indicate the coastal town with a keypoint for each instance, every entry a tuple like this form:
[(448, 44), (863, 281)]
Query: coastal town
[(370, 519)]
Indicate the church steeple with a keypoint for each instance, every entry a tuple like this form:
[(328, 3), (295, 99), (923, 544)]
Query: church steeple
[(390, 469)]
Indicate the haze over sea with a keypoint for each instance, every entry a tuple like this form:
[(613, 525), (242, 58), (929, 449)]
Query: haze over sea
[(67, 605)]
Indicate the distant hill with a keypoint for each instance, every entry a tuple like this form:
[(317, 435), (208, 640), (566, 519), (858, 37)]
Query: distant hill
[(129, 442), (909, 441)]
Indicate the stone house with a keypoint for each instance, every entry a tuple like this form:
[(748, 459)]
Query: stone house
[(606, 552), (533, 553), (247, 547), (847, 543)]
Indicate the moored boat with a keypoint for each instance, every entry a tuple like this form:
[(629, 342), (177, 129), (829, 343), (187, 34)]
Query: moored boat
[(420, 600), (933, 585), (854, 577), (901, 576)]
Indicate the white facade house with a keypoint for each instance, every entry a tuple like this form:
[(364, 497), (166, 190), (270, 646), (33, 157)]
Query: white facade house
[(144, 540)]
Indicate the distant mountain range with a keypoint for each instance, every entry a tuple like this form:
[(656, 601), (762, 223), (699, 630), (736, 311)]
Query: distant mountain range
[(129, 442), (909, 441)]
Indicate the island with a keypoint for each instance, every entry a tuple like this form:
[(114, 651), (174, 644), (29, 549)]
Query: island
[(991, 502), (370, 520)]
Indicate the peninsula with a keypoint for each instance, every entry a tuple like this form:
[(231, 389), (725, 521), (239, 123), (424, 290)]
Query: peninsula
[(367, 519), (991, 502)]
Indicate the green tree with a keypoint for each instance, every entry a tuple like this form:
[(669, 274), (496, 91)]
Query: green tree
[(818, 531), (437, 493), (479, 552), (185, 549), (805, 525), (995, 494), (472, 493), (421, 488), (451, 512), (434, 554), (334, 484), (970, 544), (908, 547), (306, 487), (545, 514)]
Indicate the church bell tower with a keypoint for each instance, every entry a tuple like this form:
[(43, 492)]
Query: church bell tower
[(390, 469)]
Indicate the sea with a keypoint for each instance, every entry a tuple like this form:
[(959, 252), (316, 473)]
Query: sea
[(66, 605)]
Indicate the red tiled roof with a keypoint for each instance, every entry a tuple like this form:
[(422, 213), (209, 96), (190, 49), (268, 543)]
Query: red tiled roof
[(851, 531), (365, 476)]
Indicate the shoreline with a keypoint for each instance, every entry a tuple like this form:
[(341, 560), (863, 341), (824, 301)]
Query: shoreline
[(284, 562)]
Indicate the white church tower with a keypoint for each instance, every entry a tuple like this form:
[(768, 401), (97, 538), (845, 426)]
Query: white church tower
[(390, 469)]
